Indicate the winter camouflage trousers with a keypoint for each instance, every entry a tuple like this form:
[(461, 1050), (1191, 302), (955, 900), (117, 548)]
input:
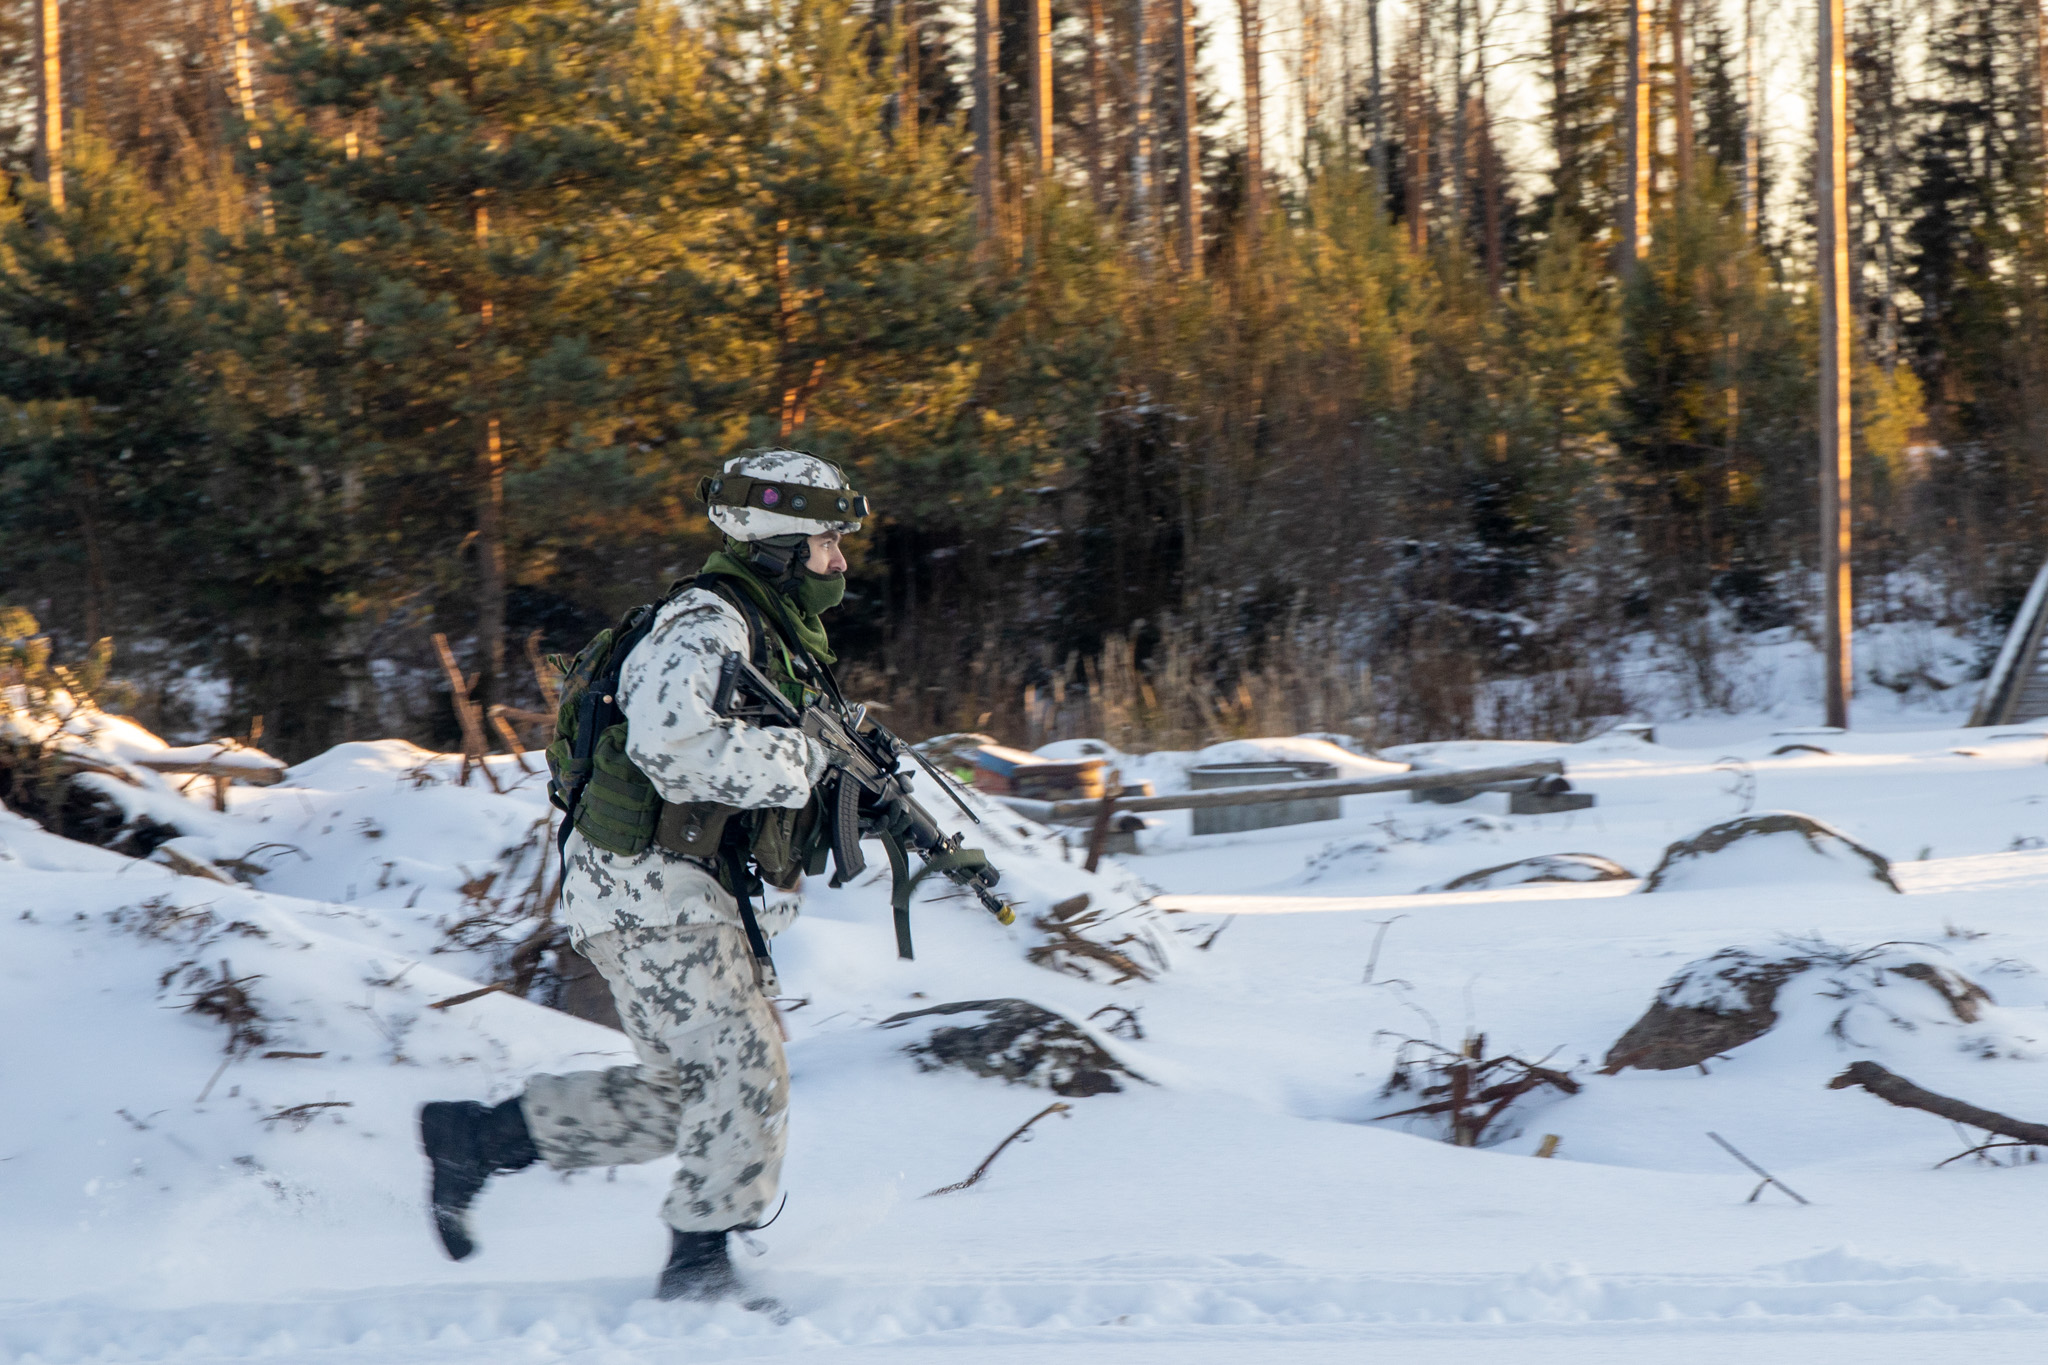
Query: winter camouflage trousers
[(711, 1086)]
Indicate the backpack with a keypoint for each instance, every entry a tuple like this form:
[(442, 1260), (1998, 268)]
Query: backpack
[(590, 778)]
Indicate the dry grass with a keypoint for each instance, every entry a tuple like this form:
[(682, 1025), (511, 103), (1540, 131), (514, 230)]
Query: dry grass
[(1184, 692)]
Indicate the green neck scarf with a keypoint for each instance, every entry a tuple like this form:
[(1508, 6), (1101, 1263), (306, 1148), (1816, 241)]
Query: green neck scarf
[(805, 627)]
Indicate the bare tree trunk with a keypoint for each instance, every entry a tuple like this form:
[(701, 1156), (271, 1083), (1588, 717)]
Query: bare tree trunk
[(1379, 107), (1639, 134), (1254, 121), (96, 593), (1041, 84), (1190, 140), (49, 164), (2040, 88), (1418, 135), (1752, 138), (1097, 189), (1311, 80), (1461, 127), (1681, 95), (911, 114), (490, 522), (245, 101), (987, 34), (1831, 201), (1141, 123), (1489, 191), (1560, 85)]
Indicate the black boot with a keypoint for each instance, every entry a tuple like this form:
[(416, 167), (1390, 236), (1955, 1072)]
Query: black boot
[(698, 1268), (467, 1144)]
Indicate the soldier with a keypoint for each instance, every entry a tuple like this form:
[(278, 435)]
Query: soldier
[(728, 803)]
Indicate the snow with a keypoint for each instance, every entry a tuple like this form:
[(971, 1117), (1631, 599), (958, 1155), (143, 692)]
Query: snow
[(163, 1200)]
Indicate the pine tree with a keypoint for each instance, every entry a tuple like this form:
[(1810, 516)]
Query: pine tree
[(105, 423), (435, 173)]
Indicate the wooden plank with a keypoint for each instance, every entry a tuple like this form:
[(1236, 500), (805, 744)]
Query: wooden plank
[(235, 772), (1069, 811), (2023, 642)]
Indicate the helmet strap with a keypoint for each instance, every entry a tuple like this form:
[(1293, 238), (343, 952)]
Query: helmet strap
[(778, 559)]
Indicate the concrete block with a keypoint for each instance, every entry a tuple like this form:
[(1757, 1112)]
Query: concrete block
[(1268, 814), (1547, 803)]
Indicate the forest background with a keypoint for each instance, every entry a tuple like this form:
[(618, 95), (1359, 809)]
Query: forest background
[(364, 320)]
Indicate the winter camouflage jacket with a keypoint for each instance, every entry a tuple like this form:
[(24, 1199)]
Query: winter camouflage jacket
[(690, 753)]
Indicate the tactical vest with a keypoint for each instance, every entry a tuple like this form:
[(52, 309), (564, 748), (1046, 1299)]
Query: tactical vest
[(616, 807)]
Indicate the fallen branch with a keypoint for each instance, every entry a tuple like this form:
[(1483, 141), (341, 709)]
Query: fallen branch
[(463, 999), (1893, 1088), (990, 1160), (185, 865), (279, 1056), (299, 1115)]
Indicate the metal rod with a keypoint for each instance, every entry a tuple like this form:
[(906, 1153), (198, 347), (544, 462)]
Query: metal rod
[(1768, 1178)]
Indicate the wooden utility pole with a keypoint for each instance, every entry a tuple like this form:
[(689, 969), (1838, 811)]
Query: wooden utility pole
[(1254, 125), (1752, 141), (1681, 99), (1041, 84), (987, 34), (1640, 134), (1190, 140), (1831, 199), (49, 165)]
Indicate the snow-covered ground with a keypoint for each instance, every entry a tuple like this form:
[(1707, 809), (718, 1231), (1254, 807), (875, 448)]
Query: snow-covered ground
[(1244, 1205)]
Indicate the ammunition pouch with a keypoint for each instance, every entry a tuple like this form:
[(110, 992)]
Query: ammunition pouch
[(619, 808)]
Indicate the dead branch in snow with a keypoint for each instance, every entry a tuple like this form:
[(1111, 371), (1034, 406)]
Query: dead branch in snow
[(990, 1159), (1893, 1088), (1476, 1089)]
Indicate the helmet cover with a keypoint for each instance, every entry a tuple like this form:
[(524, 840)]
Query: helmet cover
[(779, 494)]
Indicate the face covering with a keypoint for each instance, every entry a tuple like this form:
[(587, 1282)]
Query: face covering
[(816, 593)]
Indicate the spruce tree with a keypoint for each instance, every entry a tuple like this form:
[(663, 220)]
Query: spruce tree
[(104, 422), (435, 173)]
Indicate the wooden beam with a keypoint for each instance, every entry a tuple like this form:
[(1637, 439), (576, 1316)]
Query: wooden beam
[(1066, 811)]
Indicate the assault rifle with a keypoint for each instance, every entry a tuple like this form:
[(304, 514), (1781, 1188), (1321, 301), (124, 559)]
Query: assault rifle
[(867, 795)]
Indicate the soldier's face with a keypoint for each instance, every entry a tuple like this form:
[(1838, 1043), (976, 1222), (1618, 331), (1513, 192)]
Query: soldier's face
[(825, 555)]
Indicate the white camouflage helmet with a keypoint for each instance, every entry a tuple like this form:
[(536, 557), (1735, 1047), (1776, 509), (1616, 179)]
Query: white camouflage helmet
[(768, 493)]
